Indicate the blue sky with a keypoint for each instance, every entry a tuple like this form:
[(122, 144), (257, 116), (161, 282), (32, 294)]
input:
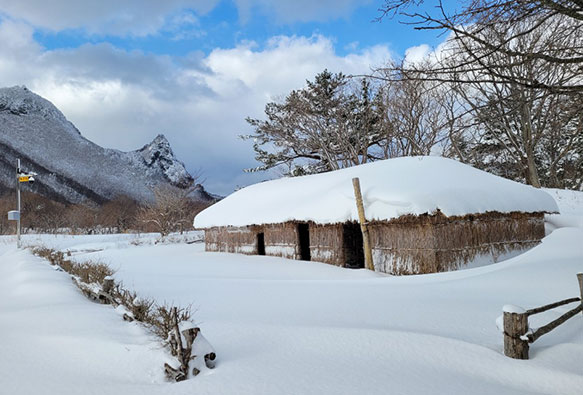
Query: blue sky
[(224, 27), (125, 70)]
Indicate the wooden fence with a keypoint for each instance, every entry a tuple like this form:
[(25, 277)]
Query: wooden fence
[(517, 334), (184, 351)]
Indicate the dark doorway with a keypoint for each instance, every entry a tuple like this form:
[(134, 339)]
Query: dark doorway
[(304, 238), (260, 243), (353, 251)]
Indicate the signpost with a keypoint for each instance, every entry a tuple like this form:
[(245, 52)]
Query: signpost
[(14, 215)]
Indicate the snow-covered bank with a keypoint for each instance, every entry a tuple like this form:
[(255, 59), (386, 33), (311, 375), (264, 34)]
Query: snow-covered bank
[(53, 341)]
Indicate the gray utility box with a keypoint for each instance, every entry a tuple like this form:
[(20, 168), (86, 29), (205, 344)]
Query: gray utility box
[(13, 215)]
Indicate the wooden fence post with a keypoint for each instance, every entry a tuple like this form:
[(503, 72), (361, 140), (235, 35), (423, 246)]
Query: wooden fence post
[(105, 296), (363, 225), (580, 279), (515, 326), (107, 285)]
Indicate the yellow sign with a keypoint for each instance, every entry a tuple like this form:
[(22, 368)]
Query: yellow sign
[(23, 178)]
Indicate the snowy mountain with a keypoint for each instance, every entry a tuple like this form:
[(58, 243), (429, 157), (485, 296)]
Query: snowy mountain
[(72, 168)]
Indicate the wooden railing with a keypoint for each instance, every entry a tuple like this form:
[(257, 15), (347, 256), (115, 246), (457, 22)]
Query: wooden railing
[(517, 334)]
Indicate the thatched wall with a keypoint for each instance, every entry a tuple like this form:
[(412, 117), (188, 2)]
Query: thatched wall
[(435, 243), (326, 244), (241, 240), (406, 245), (281, 240)]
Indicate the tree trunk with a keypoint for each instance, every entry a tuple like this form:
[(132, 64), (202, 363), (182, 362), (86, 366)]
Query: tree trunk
[(532, 172)]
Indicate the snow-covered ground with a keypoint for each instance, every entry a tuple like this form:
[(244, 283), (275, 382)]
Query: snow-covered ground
[(289, 327), (570, 207)]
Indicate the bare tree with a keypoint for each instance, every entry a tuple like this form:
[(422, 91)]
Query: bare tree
[(119, 214), (416, 117), (39, 213), (485, 28), (534, 130), (517, 105), (7, 203), (169, 211), (82, 218)]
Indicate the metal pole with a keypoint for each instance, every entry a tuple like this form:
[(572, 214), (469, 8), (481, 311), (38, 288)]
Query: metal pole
[(18, 204)]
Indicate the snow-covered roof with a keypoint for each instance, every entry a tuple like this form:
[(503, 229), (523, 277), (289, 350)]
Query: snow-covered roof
[(390, 189)]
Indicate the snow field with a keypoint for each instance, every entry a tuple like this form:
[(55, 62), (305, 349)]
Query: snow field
[(288, 327)]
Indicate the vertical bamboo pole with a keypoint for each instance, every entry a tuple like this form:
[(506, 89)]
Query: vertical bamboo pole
[(580, 279), (363, 225)]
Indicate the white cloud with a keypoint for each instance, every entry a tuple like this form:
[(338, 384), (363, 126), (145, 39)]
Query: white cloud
[(122, 99), (417, 54), (146, 17), (127, 17)]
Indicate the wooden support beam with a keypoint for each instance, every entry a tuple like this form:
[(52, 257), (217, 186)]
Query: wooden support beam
[(363, 225)]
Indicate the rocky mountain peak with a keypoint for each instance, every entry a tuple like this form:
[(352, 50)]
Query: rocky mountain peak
[(20, 101), (71, 168), (158, 154)]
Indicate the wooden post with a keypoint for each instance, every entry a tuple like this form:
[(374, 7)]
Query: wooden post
[(107, 285), (105, 296), (209, 360), (515, 326), (180, 350), (190, 335), (580, 279), (363, 225)]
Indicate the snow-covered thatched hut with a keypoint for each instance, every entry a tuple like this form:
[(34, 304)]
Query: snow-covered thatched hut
[(425, 214)]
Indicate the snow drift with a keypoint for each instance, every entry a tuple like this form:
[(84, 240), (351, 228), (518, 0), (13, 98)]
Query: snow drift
[(390, 189)]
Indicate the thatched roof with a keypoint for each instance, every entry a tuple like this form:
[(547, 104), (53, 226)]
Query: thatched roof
[(390, 189)]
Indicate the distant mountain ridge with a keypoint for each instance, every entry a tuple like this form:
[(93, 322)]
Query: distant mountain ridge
[(73, 169)]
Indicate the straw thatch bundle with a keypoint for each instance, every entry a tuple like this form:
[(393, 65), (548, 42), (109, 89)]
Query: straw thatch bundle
[(406, 245)]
